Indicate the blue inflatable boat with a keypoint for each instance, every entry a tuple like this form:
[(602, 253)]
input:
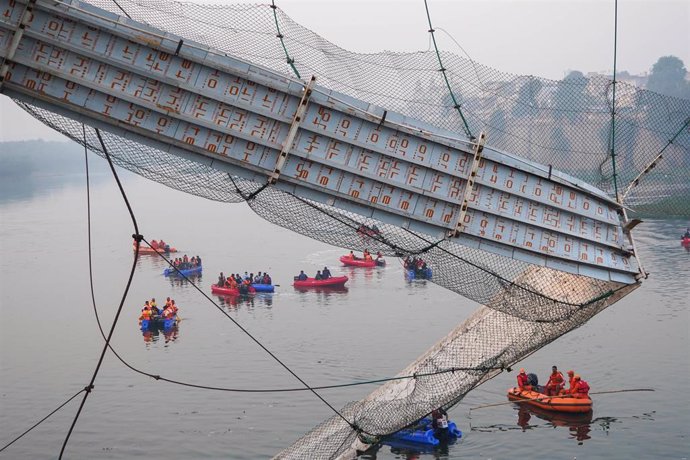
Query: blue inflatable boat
[(158, 322), (425, 433), (263, 287), (412, 274), (184, 271)]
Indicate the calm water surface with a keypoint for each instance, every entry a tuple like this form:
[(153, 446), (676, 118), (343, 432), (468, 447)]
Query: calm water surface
[(49, 341)]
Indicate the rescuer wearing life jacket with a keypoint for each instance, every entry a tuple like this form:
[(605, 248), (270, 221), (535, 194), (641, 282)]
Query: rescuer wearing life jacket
[(581, 389), (555, 383), (145, 313), (571, 381), (523, 380), (154, 307), (367, 255)]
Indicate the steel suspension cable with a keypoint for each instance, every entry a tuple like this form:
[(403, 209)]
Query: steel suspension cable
[(613, 105), (290, 60), (42, 420), (445, 77), (137, 237)]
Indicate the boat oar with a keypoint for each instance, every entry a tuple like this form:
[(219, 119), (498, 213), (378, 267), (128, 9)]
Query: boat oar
[(620, 391), (510, 402), (545, 397)]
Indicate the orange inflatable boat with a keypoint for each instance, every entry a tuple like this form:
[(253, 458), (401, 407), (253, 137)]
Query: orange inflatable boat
[(147, 250), (564, 403)]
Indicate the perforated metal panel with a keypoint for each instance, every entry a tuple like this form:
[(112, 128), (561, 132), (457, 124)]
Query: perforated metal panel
[(164, 91)]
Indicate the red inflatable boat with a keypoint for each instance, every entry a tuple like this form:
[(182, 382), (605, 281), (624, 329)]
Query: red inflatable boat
[(350, 262), (334, 281), (227, 291)]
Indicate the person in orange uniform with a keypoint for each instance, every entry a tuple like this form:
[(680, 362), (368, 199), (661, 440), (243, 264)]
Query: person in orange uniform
[(523, 380), (571, 382), (145, 313), (555, 383), (581, 388)]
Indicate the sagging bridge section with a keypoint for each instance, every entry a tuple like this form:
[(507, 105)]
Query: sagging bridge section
[(189, 100)]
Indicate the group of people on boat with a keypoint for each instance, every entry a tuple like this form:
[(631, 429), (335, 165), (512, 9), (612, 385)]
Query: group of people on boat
[(366, 255), (237, 281), (415, 263), (320, 275), (578, 388), (160, 245), (151, 310), (185, 263)]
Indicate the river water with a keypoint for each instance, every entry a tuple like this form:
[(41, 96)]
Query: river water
[(49, 340)]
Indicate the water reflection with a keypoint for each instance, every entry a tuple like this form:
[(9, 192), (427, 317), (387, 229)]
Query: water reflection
[(324, 291), (153, 334), (366, 273), (578, 424), (409, 450), (248, 300), (178, 281)]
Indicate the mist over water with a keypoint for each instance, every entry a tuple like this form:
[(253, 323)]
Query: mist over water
[(49, 339)]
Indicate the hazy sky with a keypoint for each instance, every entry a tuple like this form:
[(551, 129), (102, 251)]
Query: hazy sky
[(545, 38)]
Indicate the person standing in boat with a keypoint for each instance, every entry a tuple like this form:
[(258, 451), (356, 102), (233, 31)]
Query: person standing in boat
[(556, 382), (325, 273), (523, 380), (571, 381), (687, 233), (221, 280)]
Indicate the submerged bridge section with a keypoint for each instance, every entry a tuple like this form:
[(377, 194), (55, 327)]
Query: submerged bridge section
[(186, 99)]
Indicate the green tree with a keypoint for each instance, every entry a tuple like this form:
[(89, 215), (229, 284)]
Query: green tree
[(571, 96), (668, 77)]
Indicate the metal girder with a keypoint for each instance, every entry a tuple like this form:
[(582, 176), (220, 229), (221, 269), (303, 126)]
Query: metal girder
[(186, 98)]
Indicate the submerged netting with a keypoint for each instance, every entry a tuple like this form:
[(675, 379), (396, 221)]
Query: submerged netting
[(565, 124)]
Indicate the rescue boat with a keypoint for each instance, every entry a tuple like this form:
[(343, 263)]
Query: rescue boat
[(230, 291), (158, 322), (333, 281), (348, 261), (412, 274), (562, 403), (425, 433), (144, 250), (184, 271)]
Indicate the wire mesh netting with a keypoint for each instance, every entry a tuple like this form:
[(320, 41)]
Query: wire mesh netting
[(566, 124)]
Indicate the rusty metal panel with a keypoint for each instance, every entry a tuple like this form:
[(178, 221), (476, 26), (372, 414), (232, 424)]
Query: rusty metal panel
[(127, 76)]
